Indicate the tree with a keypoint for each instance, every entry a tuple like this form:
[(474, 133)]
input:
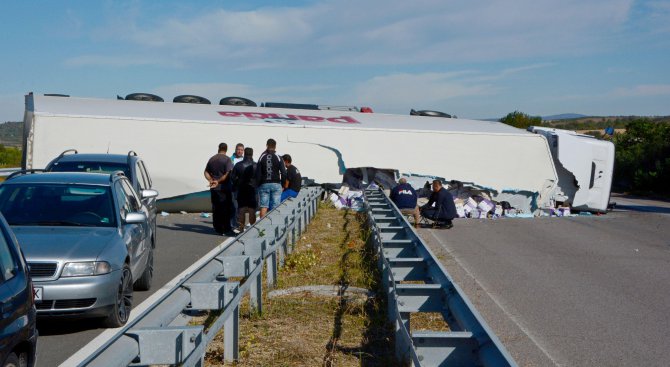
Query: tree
[(643, 157), (521, 120), (10, 157)]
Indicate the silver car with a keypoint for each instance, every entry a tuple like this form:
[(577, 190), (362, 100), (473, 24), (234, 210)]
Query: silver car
[(87, 240)]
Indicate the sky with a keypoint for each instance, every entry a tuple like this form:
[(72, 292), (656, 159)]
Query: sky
[(473, 59)]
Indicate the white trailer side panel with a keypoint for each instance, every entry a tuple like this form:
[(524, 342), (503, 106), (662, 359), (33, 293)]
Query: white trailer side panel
[(176, 149)]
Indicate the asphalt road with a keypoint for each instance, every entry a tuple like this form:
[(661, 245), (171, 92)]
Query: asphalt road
[(182, 240), (581, 291)]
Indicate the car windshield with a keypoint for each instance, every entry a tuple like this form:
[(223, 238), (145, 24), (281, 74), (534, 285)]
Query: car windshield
[(35, 204), (91, 167)]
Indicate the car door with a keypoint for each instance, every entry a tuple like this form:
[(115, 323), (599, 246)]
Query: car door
[(144, 182), (11, 307), (131, 233), (143, 229)]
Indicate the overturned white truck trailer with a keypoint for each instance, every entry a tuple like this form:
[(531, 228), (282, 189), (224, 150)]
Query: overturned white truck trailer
[(175, 140)]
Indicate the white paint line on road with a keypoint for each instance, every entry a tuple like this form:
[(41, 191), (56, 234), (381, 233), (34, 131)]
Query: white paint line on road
[(495, 300), (101, 339)]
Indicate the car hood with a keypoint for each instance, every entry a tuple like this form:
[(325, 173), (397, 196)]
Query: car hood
[(63, 243)]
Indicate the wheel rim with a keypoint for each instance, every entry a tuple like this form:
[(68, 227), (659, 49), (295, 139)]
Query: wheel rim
[(125, 296)]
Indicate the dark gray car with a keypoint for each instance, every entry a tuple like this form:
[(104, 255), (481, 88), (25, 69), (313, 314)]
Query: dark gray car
[(18, 333), (87, 240)]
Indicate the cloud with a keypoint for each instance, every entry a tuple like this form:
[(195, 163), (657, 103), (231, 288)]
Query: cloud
[(390, 93), (644, 90), (395, 92), (117, 61), (347, 32)]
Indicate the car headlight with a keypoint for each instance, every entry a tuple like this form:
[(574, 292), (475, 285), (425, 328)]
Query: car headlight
[(86, 268)]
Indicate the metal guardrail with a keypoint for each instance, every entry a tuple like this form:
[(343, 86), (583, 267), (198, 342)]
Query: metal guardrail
[(415, 281), (162, 334), (4, 172)]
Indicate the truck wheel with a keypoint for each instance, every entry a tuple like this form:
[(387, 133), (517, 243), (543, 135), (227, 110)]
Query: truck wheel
[(237, 101), (143, 97), (191, 99)]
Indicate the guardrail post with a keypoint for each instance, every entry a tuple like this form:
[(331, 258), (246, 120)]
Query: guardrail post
[(231, 336), (256, 294), (271, 276)]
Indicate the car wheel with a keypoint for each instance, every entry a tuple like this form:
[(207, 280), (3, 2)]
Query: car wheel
[(144, 282), (124, 300), (16, 361)]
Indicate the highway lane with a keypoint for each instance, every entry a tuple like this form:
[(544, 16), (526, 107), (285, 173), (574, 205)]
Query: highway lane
[(582, 291), (182, 240)]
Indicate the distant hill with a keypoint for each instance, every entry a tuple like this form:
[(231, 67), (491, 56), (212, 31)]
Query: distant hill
[(11, 134), (563, 116)]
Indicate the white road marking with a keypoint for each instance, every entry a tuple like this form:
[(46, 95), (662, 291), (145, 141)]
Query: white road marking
[(101, 339)]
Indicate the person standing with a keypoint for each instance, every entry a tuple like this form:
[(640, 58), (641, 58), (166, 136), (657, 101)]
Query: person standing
[(238, 154), (404, 196), (293, 181), (440, 207), (217, 173), (237, 157), (243, 180), (270, 174)]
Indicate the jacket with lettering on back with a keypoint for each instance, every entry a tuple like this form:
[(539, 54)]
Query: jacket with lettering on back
[(404, 196)]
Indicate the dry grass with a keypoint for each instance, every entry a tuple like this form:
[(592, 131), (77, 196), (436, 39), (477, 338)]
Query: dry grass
[(433, 321), (304, 329)]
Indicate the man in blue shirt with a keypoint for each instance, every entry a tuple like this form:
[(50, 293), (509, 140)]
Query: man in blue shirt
[(404, 197), (440, 207)]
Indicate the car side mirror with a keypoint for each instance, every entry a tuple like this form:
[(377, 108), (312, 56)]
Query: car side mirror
[(148, 194), (135, 218)]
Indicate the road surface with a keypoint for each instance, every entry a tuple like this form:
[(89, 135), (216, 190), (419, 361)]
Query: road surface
[(581, 291)]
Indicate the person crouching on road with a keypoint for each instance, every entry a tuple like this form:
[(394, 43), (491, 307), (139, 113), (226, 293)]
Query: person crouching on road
[(243, 181), (217, 173), (404, 197), (270, 174), (293, 181), (440, 207)]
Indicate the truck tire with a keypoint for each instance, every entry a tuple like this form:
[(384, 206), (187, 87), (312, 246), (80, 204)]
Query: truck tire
[(237, 101), (429, 113), (143, 97), (187, 98)]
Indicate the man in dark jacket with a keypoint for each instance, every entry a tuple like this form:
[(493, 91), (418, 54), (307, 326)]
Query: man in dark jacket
[(440, 207), (404, 197), (217, 173), (243, 182), (270, 174)]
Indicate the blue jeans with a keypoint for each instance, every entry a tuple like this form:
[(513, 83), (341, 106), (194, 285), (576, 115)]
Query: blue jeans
[(288, 193), (270, 195)]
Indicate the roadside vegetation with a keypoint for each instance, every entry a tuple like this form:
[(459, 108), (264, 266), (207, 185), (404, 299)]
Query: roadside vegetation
[(310, 328), (643, 158), (9, 157)]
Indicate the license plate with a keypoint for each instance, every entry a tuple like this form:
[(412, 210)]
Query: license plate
[(37, 293)]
